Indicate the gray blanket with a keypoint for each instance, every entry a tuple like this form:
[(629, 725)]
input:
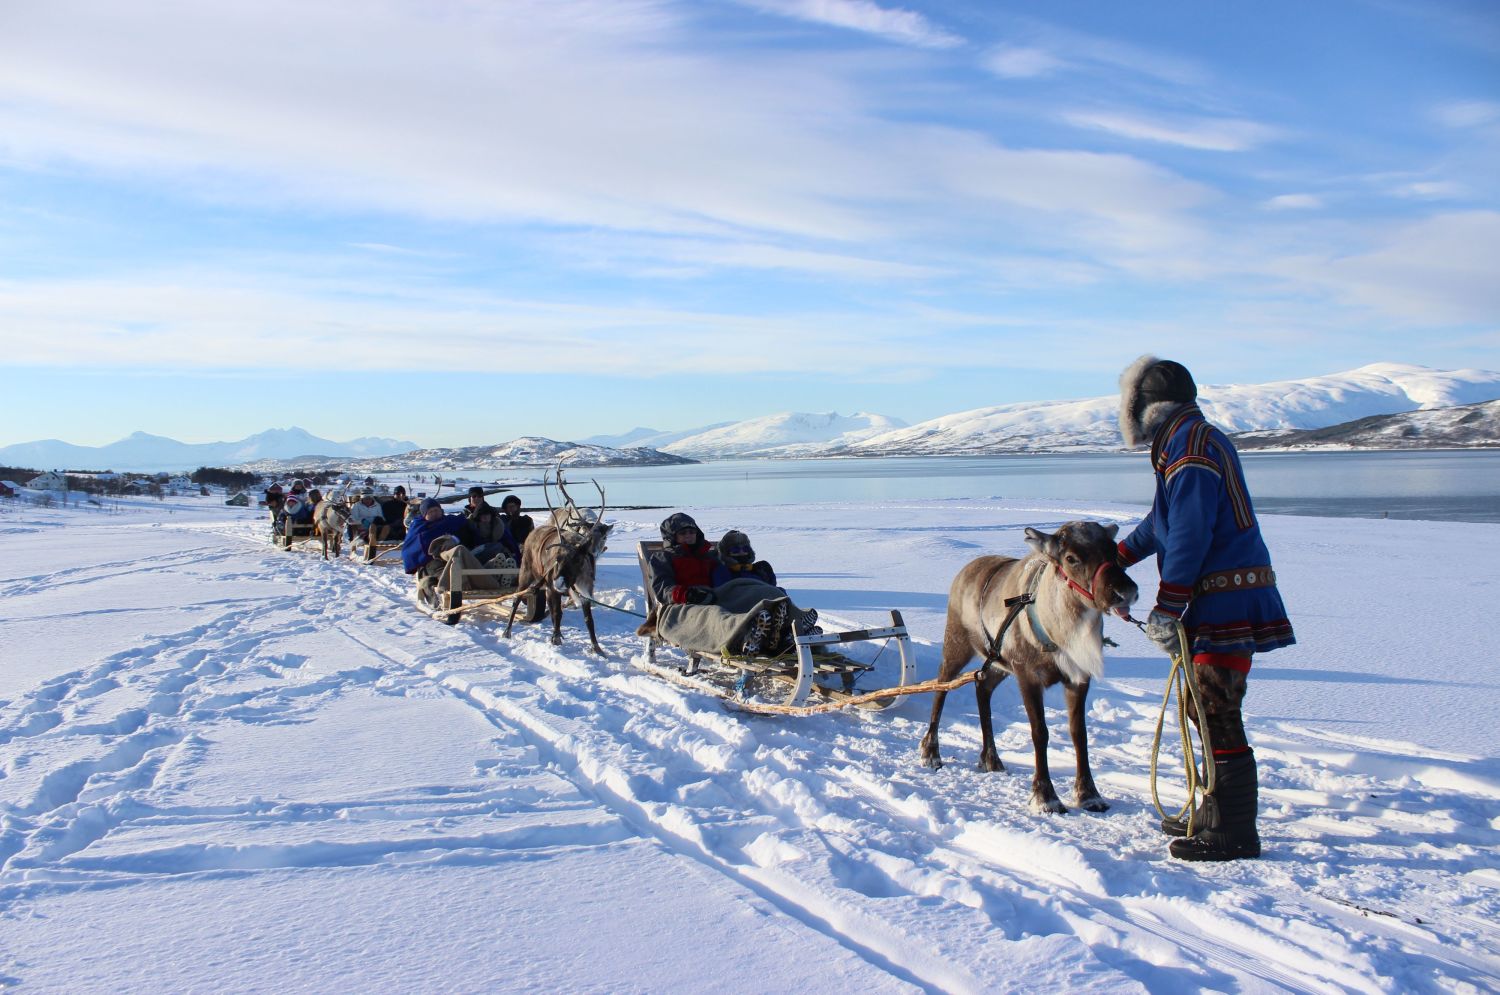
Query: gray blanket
[(720, 626)]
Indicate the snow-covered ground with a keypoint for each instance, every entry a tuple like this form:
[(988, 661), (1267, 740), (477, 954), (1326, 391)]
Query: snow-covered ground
[(228, 767)]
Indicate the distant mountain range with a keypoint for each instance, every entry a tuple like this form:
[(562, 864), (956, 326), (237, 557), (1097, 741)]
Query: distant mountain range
[(1463, 426), (529, 451), (141, 451), (1273, 411), (1090, 424)]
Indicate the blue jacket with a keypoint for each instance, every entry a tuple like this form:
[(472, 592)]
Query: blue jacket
[(1202, 524), (420, 535)]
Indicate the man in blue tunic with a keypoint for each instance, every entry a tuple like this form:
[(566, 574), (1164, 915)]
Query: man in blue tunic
[(1216, 578)]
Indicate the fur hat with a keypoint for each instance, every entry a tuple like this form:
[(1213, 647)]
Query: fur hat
[(674, 524), (1150, 390), (734, 539)]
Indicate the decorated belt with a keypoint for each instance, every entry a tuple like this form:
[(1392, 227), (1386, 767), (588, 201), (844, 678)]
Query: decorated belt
[(1242, 579)]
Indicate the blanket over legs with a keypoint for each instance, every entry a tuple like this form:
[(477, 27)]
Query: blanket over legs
[(720, 626)]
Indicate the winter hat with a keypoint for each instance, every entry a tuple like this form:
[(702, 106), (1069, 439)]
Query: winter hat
[(476, 491), (676, 523), (511, 499), (1150, 389), (736, 540), (429, 503)]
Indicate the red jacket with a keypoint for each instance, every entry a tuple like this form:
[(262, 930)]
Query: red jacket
[(674, 570)]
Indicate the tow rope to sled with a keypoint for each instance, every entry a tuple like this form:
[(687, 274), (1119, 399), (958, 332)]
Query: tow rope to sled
[(1184, 679)]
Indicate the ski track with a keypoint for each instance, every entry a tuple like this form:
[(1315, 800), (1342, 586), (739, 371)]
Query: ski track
[(933, 877)]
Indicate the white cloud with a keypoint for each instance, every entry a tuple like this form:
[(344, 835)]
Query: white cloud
[(1468, 113), (1437, 271), (1022, 63), (592, 113), (1294, 202), (1430, 190), (893, 24), (1208, 134)]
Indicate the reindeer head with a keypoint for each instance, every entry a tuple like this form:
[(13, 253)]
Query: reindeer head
[(1084, 553)]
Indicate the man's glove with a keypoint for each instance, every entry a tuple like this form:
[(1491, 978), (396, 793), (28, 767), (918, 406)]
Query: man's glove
[(1162, 628), (698, 595)]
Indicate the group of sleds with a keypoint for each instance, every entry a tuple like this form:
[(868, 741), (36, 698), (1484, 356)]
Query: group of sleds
[(745, 631)]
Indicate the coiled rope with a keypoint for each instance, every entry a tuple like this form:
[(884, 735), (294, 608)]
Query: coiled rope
[(1184, 680)]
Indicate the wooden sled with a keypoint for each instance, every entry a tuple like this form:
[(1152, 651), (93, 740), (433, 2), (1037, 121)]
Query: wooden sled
[(799, 672), (453, 600)]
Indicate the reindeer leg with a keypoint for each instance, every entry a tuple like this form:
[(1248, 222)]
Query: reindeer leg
[(512, 620), (588, 620), (1085, 795), (554, 607), (984, 688), (1043, 794), (956, 653)]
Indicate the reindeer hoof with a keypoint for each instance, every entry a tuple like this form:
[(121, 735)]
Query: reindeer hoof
[(1092, 803), (990, 763), (932, 760), (1047, 806)]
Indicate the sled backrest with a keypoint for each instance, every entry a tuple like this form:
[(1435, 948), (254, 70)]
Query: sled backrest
[(644, 550)]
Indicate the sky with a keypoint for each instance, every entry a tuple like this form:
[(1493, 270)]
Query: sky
[(459, 222)]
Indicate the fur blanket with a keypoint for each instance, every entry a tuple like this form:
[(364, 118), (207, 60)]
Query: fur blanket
[(720, 626)]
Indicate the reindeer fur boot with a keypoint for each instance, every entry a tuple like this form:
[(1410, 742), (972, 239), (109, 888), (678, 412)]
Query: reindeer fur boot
[(1228, 815)]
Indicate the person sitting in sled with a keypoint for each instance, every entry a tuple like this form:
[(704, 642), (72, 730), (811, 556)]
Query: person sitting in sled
[(737, 559), (432, 553), (520, 525), (1216, 579), (486, 534), (367, 521), (393, 510), (743, 615)]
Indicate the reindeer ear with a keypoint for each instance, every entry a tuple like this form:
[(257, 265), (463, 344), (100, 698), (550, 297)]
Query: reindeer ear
[(1113, 529), (1041, 542)]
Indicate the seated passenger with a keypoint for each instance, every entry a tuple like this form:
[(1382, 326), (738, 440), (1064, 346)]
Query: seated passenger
[(744, 615), (299, 504), (520, 525), (367, 521), (737, 559), (485, 533), (432, 553), (393, 510)]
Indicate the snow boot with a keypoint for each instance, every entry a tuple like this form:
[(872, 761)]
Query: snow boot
[(762, 628), (1228, 828), (1178, 827), (806, 622)]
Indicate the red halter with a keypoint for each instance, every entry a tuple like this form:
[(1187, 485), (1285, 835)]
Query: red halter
[(1085, 591)]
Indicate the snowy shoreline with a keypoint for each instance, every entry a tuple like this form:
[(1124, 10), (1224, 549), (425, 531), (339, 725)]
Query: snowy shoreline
[(226, 765)]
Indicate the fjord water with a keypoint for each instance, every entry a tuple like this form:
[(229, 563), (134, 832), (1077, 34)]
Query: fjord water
[(1448, 485)]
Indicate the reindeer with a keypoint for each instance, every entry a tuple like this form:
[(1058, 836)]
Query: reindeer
[(1074, 578), (328, 519), (560, 555)]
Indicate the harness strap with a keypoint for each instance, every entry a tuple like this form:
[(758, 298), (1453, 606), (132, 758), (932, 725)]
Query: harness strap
[(1037, 628)]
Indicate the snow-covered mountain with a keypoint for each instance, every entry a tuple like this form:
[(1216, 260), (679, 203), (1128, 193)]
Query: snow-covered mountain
[(141, 451), (527, 451), (1463, 426), (786, 434), (649, 437), (1091, 423)]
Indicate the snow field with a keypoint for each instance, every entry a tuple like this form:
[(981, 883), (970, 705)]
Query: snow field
[(279, 774)]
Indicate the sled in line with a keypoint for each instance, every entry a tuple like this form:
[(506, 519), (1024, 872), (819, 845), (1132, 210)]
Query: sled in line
[(805, 671), (451, 602)]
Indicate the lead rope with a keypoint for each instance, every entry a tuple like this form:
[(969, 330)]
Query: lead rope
[(1184, 680)]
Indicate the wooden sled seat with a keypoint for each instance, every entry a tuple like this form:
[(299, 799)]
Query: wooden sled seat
[(813, 655)]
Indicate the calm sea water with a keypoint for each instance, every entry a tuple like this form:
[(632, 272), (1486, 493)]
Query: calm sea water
[(1448, 486)]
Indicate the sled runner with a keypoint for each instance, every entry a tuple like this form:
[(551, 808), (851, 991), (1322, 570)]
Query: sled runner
[(799, 670), (286, 533)]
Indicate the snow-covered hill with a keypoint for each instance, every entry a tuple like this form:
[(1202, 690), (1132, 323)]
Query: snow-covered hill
[(527, 451), (1460, 426), (141, 451), (1091, 424), (791, 433)]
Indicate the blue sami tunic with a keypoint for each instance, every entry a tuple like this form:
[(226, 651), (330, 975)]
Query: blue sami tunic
[(1202, 526)]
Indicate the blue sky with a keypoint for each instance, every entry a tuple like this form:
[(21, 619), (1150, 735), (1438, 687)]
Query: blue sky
[(459, 222)]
